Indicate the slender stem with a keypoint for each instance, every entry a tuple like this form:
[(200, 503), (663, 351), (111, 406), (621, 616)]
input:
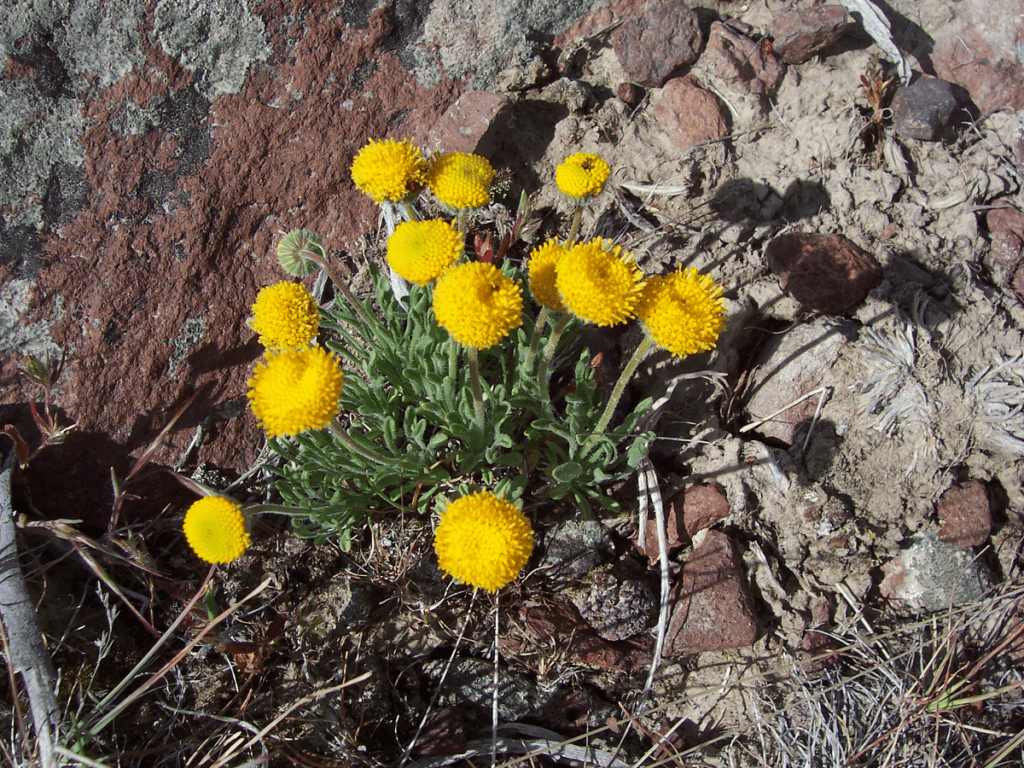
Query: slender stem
[(410, 212), (349, 296), (574, 230), (549, 351), (352, 445), (620, 387), (538, 329), (262, 509), (460, 221), (474, 378), (494, 689)]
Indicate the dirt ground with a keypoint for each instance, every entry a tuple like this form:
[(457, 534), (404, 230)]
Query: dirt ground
[(922, 388)]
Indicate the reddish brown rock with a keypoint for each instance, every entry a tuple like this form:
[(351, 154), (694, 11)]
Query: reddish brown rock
[(690, 114), (559, 621), (924, 109), (966, 514), (464, 127), (630, 94), (445, 733), (805, 32), (712, 609), (979, 51), (662, 41), (817, 651), (704, 505), (675, 532), (1005, 257), (827, 273), (743, 64)]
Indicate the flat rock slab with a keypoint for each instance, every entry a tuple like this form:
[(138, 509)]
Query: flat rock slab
[(803, 33), (827, 273), (932, 575), (712, 609)]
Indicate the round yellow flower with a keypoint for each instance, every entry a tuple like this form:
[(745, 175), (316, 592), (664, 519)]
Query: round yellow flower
[(294, 391), (581, 176), (477, 304), (460, 181), (599, 283), (543, 262), (420, 251), (483, 540), (682, 311), (285, 316), (388, 170), (215, 529)]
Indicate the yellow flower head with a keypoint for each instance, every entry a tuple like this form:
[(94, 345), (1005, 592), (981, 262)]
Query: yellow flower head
[(483, 540), (477, 304), (420, 251), (682, 311), (581, 176), (599, 283), (285, 316), (294, 391), (388, 170), (460, 181), (543, 261), (215, 529)]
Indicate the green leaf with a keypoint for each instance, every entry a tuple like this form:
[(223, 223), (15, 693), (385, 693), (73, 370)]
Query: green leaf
[(567, 472)]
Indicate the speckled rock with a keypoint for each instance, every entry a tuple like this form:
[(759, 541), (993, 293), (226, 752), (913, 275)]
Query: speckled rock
[(711, 604), (923, 110), (662, 41), (931, 575), (616, 608), (827, 273), (966, 514)]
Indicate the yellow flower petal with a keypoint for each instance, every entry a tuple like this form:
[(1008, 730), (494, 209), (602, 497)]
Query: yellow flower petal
[(294, 391), (388, 170), (215, 529), (543, 262), (683, 312), (581, 176), (483, 540), (285, 316), (420, 251), (599, 283), (460, 180), (477, 304)]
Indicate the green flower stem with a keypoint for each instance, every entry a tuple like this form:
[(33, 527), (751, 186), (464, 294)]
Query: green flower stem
[(538, 329), (474, 378), (349, 296), (574, 230), (460, 221), (410, 212), (620, 387), (352, 445), (549, 352), (260, 509)]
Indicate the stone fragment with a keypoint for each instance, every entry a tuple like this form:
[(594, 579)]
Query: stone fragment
[(690, 114), (616, 608), (931, 575), (817, 651), (789, 366), (966, 514), (675, 533), (630, 94), (827, 273), (704, 505), (558, 621), (741, 63), (923, 110), (979, 50), (464, 127), (805, 32), (572, 549), (1005, 256), (712, 609), (663, 40)]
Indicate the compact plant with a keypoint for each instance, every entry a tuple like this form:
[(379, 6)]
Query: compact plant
[(447, 383)]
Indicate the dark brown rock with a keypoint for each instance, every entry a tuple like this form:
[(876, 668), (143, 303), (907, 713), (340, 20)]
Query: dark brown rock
[(704, 505), (630, 94), (662, 41), (745, 65), (966, 514), (445, 733), (690, 114), (1005, 256), (817, 651), (789, 366), (923, 110), (712, 609), (558, 621), (675, 532), (805, 32), (979, 51), (464, 126), (827, 273)]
